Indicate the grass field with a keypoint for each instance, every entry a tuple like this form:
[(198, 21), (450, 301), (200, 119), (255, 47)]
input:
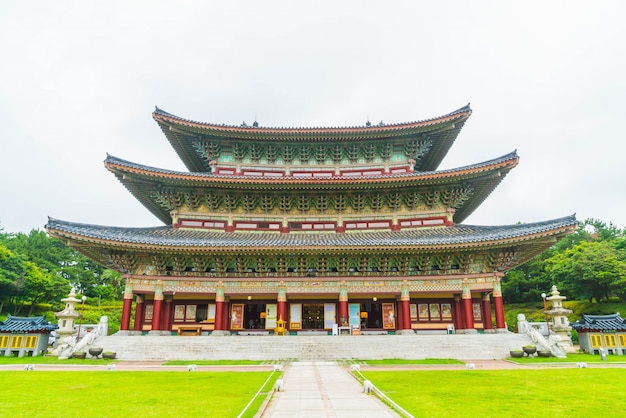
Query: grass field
[(130, 394), (506, 393)]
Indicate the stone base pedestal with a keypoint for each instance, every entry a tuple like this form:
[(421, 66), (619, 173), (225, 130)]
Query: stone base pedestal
[(159, 333), (502, 331), (490, 331), (405, 332), (220, 333)]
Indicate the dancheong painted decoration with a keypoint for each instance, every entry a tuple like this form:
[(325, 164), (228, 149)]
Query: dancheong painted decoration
[(312, 230)]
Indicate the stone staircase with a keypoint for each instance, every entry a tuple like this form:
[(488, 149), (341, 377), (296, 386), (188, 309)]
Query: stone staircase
[(275, 348)]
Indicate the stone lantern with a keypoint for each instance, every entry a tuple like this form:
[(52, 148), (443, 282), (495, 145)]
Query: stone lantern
[(67, 317), (560, 322)]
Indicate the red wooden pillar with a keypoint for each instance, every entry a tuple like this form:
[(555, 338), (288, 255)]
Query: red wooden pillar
[(226, 316), (281, 299), (219, 308), (406, 314), (166, 320), (405, 309), (139, 312), (344, 315), (466, 297), (158, 306), (127, 308), (487, 312), (458, 312), (497, 302)]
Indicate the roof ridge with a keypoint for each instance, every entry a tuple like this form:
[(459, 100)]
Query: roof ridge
[(463, 109)]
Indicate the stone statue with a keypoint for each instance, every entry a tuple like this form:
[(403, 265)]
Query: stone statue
[(69, 346)]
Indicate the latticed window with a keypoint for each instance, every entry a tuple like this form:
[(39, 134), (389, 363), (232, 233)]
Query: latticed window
[(16, 341), (595, 340), (4, 341), (610, 340), (31, 341)]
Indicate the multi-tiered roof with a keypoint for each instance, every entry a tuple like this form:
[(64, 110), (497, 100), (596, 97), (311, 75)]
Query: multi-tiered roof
[(264, 202)]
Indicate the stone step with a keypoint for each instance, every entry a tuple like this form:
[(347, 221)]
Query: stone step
[(267, 348)]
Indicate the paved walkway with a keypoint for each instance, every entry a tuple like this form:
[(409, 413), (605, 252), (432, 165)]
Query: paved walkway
[(323, 389)]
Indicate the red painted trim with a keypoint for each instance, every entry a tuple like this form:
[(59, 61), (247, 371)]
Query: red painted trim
[(241, 225), (426, 221), (367, 224), (311, 226)]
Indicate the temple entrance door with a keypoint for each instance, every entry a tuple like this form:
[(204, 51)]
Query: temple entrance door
[(312, 316), (254, 316), (371, 315)]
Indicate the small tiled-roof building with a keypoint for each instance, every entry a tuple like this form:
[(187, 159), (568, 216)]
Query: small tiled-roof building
[(352, 227), (24, 336), (606, 332)]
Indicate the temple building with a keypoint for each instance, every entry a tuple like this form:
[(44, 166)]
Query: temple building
[(324, 228)]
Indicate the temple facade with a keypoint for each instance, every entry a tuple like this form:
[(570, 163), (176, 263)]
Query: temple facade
[(351, 229)]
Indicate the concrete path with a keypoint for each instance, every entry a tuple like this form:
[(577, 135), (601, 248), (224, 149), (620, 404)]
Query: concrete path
[(323, 389)]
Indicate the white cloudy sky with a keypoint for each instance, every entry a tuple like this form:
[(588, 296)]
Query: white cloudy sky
[(80, 79)]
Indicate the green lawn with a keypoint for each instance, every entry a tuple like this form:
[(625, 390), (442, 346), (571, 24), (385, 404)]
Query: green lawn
[(506, 393), (128, 394)]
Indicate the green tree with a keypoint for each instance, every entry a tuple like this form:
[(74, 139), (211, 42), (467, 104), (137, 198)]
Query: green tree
[(590, 270), (12, 271)]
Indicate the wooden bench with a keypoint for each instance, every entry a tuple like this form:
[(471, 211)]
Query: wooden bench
[(190, 330)]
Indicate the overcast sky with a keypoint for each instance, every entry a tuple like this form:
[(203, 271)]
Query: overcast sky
[(80, 79)]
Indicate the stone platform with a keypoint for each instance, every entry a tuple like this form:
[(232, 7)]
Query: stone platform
[(309, 348)]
